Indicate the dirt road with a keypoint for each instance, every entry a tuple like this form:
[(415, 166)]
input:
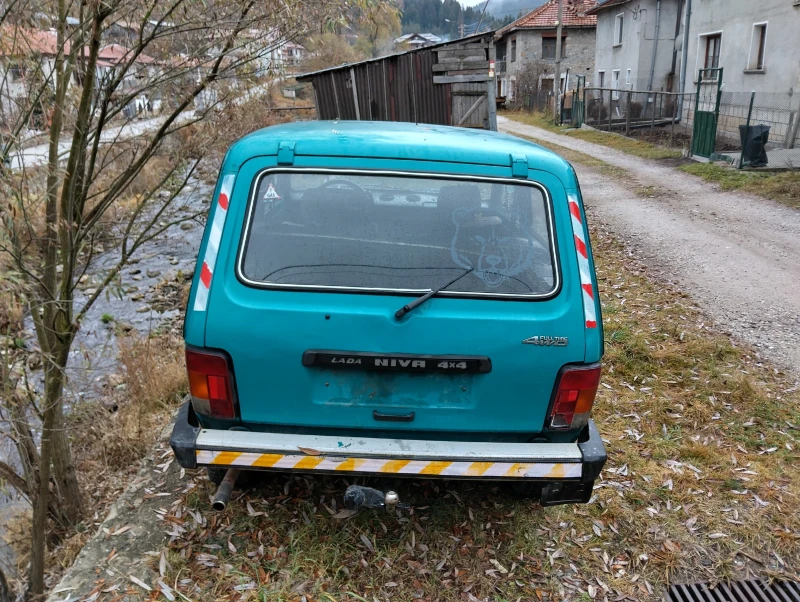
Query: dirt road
[(738, 256)]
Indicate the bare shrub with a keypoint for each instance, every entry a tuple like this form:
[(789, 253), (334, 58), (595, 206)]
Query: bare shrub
[(155, 374)]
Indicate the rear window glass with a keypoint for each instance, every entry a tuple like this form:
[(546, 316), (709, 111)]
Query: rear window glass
[(399, 233)]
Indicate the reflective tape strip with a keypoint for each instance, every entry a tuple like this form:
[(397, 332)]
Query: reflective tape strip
[(585, 272), (444, 468), (212, 248)]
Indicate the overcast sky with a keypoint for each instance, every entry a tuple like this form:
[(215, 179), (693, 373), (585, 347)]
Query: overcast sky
[(470, 2)]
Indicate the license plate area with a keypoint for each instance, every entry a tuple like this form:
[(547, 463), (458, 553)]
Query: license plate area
[(396, 362)]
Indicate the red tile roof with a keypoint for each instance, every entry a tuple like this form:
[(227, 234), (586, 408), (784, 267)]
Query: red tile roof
[(23, 42), (573, 15), (116, 55)]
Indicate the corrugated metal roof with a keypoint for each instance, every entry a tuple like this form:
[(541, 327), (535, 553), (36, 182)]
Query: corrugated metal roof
[(575, 13), (476, 36)]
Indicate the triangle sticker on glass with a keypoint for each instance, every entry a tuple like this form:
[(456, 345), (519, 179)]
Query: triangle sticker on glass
[(271, 194)]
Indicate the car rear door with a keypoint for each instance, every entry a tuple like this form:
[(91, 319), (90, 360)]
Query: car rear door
[(267, 332)]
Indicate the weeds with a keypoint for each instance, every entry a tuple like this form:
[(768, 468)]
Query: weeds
[(783, 187), (630, 146), (701, 483)]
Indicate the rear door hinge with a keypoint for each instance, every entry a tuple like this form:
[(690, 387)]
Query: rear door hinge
[(519, 166), (286, 153)]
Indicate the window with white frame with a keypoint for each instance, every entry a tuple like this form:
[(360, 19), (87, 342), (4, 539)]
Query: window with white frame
[(628, 77), (601, 79), (615, 82), (757, 45), (618, 22)]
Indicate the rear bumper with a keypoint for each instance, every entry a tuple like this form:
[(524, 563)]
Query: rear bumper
[(566, 470)]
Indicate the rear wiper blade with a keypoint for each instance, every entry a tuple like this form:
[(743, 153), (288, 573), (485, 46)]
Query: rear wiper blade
[(420, 300)]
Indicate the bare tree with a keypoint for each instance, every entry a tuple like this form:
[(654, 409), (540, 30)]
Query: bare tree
[(185, 55)]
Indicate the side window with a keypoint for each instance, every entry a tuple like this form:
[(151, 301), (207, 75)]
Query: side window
[(757, 45), (713, 43), (513, 50), (618, 22), (601, 78)]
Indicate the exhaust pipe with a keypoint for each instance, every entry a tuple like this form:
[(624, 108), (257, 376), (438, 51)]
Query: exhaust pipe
[(224, 490)]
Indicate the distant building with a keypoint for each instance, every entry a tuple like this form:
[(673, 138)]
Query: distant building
[(528, 45), (627, 55), (27, 58), (751, 41), (412, 41), (756, 43)]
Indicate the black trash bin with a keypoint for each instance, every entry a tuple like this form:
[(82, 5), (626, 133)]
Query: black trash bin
[(754, 145)]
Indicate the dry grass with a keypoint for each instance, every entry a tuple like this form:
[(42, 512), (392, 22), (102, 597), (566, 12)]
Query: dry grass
[(574, 156), (110, 438), (783, 187), (701, 483), (630, 146)]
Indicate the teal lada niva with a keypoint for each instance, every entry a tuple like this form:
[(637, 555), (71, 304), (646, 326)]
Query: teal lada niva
[(395, 299)]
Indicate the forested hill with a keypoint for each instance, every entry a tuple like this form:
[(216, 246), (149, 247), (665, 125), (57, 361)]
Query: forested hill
[(442, 17)]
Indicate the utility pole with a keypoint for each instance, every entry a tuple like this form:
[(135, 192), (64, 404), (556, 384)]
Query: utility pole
[(461, 25), (557, 74)]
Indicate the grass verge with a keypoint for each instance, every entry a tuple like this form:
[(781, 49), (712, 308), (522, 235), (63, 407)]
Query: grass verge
[(630, 146), (574, 156), (783, 187), (701, 483)]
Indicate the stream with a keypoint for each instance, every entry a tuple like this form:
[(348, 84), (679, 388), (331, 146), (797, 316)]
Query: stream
[(133, 303)]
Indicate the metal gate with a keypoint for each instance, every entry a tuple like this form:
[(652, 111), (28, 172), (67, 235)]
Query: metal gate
[(706, 112), (579, 101)]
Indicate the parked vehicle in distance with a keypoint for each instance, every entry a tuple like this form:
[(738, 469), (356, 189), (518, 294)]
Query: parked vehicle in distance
[(395, 299)]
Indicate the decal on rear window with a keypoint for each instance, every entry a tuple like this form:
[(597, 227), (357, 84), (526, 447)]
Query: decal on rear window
[(384, 231)]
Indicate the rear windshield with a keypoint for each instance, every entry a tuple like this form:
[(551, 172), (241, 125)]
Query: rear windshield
[(389, 232)]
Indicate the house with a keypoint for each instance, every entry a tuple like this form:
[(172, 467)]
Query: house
[(273, 52), (755, 43), (26, 56), (526, 48), (412, 41), (638, 44)]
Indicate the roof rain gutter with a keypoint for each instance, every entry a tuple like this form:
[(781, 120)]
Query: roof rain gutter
[(684, 58), (655, 46)]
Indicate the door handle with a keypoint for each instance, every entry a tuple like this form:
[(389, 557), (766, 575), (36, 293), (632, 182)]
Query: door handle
[(381, 417)]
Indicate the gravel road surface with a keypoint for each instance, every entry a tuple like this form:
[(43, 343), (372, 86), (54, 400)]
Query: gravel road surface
[(737, 255)]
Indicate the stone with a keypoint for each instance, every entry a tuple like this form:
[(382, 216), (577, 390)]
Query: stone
[(153, 273), (187, 226)]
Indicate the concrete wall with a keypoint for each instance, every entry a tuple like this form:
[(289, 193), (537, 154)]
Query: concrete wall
[(735, 19), (578, 56), (638, 39)]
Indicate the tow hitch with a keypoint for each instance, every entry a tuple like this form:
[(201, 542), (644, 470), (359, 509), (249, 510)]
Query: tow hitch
[(356, 496)]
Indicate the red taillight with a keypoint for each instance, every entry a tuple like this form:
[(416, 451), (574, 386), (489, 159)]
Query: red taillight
[(577, 388), (210, 384)]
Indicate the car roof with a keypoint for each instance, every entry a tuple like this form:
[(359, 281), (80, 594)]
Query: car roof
[(396, 140)]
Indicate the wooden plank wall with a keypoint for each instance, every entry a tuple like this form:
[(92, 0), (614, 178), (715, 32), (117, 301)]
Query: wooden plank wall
[(464, 66)]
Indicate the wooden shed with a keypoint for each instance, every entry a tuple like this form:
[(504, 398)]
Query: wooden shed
[(451, 83)]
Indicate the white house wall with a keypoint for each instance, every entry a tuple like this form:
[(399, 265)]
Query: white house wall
[(636, 51), (735, 20)]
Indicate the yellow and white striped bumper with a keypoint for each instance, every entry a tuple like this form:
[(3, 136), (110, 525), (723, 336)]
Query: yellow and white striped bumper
[(377, 466), (567, 470)]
